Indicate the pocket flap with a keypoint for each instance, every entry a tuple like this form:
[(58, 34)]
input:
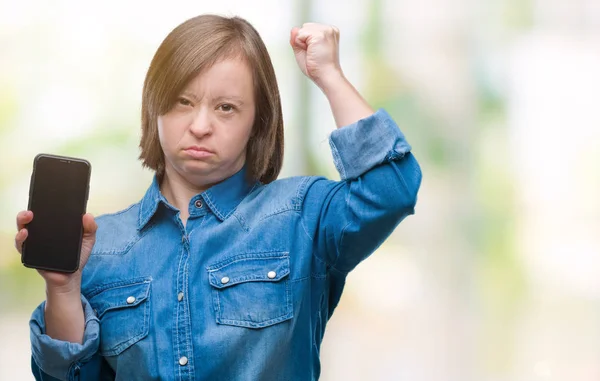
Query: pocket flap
[(119, 295), (262, 267)]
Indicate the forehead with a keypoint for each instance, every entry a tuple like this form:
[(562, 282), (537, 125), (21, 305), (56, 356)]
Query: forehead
[(227, 75)]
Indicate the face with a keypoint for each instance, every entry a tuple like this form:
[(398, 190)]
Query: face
[(205, 133)]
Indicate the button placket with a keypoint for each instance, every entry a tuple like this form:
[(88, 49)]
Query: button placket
[(182, 335)]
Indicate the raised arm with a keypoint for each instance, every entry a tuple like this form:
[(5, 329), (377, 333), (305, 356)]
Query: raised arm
[(349, 219)]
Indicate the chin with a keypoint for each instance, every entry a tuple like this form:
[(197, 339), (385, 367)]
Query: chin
[(196, 168), (204, 170)]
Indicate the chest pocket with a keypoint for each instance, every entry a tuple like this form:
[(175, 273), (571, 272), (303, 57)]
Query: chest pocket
[(252, 290), (124, 312)]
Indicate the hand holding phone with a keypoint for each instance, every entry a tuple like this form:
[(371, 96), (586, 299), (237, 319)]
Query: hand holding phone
[(56, 236), (53, 278)]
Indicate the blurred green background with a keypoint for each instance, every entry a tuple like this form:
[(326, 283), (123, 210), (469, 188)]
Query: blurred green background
[(496, 276)]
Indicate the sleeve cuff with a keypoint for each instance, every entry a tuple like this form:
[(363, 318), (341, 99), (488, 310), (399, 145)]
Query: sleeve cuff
[(55, 357), (369, 142)]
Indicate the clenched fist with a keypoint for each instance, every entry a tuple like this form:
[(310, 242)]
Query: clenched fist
[(316, 47)]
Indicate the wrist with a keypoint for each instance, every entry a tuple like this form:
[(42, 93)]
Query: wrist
[(332, 82), (67, 290)]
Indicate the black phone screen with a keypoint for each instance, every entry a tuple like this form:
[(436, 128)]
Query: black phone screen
[(58, 198)]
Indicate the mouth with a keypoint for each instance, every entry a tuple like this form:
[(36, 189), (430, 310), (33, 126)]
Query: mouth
[(197, 152)]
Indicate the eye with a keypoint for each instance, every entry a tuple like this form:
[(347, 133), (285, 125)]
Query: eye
[(184, 102), (226, 107)]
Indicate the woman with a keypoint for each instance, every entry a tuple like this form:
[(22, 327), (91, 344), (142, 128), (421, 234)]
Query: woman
[(222, 272)]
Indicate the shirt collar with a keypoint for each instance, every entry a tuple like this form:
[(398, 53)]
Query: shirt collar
[(221, 198)]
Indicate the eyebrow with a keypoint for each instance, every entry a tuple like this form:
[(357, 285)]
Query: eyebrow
[(189, 95), (231, 98)]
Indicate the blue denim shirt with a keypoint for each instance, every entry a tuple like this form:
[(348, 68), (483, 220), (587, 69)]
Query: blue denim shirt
[(244, 290)]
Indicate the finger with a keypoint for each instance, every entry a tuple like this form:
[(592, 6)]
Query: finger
[(300, 45), (336, 32), (302, 36), (293, 34), (297, 44), (89, 225), (23, 218), (20, 238)]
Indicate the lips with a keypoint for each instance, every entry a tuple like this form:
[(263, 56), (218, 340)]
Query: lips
[(198, 152), (198, 149)]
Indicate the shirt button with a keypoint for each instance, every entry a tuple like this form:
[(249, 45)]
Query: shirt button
[(225, 280), (198, 204), (130, 300), (180, 296), (272, 274), (183, 361)]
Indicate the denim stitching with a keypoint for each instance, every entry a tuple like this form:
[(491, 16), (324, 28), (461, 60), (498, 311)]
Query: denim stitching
[(137, 237), (253, 255)]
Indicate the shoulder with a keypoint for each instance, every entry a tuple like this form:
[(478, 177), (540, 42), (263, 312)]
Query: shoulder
[(117, 231), (286, 193), (280, 196)]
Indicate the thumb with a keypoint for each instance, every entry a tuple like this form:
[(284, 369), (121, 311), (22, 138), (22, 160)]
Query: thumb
[(89, 225), (296, 43)]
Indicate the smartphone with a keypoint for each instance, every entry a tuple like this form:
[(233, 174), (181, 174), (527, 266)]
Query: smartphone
[(58, 195)]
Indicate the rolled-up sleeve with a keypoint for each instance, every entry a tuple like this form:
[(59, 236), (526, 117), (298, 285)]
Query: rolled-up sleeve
[(371, 141), (380, 179), (60, 359)]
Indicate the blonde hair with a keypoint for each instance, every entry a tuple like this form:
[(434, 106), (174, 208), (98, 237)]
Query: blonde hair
[(194, 46)]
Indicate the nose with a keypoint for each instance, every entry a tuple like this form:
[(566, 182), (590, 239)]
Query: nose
[(201, 124)]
